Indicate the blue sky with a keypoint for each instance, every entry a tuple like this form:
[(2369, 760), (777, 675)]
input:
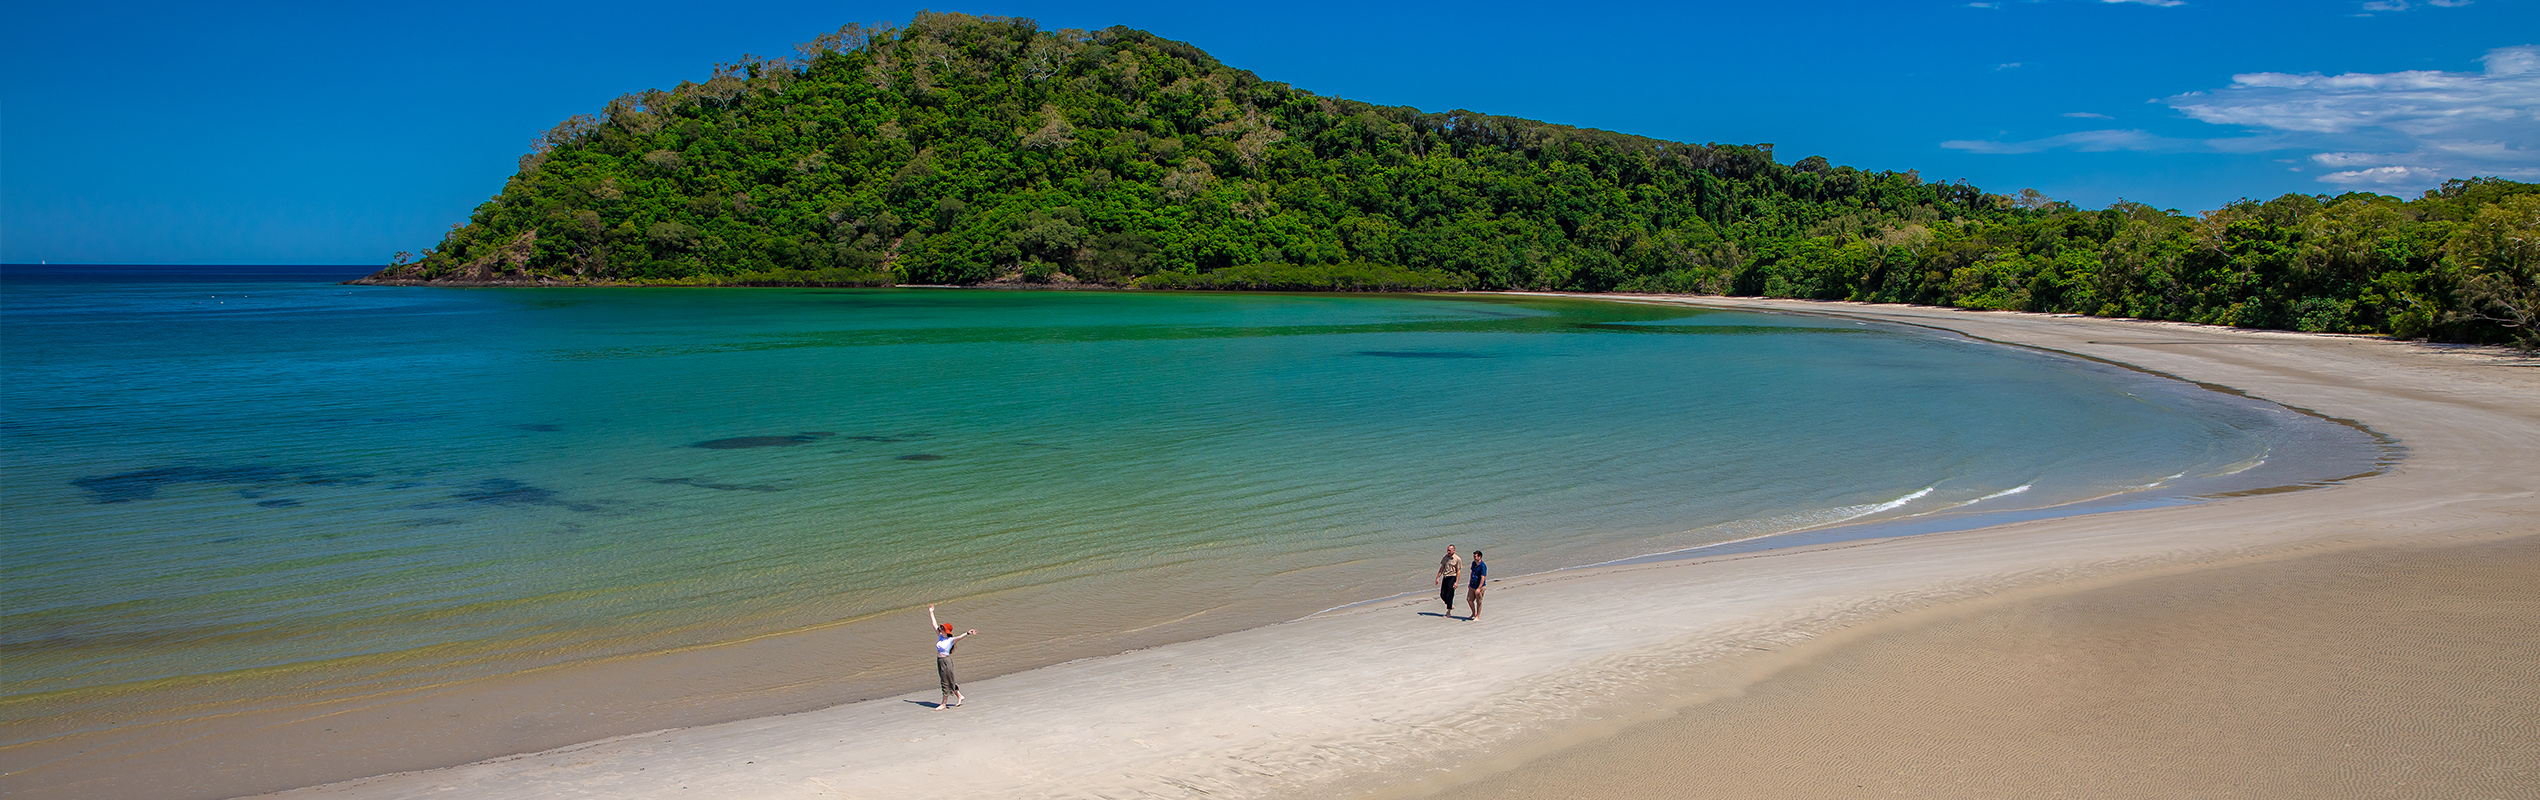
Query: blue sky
[(343, 132)]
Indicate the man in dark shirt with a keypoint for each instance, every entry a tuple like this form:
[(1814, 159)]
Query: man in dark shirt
[(1473, 594)]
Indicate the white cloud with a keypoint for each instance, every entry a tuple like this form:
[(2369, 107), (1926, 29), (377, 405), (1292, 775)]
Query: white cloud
[(2522, 60), (2417, 102), (2159, 3), (2393, 176), (2396, 130), (2412, 127), (2007, 65), (2336, 160), (2086, 115)]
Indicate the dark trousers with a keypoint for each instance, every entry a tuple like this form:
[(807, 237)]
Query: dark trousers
[(1446, 591)]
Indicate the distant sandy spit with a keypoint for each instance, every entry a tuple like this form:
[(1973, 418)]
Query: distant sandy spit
[(1389, 699)]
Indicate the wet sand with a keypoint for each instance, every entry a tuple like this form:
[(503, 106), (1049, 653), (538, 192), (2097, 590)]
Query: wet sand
[(1391, 700), (2377, 672)]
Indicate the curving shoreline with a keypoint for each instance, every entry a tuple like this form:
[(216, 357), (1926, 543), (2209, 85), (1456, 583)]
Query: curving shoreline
[(1350, 700), (253, 738)]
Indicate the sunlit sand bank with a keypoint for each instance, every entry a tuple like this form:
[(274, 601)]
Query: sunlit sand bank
[(2374, 672), (1389, 699)]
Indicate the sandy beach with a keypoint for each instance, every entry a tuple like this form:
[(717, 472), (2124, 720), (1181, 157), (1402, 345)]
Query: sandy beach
[(2373, 672), (1579, 669)]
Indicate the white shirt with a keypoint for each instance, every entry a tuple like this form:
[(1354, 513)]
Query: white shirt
[(943, 646)]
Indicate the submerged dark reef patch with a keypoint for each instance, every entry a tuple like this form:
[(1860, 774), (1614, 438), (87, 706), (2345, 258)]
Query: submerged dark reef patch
[(508, 492), (125, 487), (920, 457), (505, 491), (1424, 354), (747, 442), (894, 438), (702, 483)]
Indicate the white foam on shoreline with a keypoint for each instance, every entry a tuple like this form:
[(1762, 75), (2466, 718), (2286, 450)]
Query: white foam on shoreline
[(1773, 526), (2241, 467), (1965, 503), (2004, 493), (1748, 531), (1769, 527)]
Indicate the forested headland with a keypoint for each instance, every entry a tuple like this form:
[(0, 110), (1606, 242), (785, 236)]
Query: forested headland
[(970, 150)]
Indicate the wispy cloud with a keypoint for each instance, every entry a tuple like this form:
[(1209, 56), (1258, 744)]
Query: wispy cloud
[(2158, 3), (2403, 5), (2385, 177), (2006, 65), (2393, 130), (2374, 6), (2086, 115), (2084, 141)]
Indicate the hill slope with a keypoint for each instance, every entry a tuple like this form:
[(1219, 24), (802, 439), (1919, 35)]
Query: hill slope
[(965, 150)]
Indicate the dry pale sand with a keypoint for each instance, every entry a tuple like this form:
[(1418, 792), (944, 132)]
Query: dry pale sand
[(1384, 699), (2379, 672)]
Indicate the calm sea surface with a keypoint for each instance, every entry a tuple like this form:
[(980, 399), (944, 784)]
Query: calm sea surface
[(220, 472)]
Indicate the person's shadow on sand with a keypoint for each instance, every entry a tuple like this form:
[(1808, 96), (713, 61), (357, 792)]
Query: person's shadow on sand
[(924, 703), (1423, 613)]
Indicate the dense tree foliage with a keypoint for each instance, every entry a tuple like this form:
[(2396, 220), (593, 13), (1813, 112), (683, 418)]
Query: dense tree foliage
[(963, 150)]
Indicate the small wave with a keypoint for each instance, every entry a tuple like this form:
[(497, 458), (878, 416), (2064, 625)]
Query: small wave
[(1770, 527), (2241, 467), (2004, 493), (1971, 501), (2153, 485), (1901, 501)]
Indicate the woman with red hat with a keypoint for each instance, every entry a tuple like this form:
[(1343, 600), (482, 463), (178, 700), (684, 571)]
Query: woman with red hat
[(945, 639)]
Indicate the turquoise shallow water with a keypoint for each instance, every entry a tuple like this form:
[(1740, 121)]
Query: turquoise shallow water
[(216, 473)]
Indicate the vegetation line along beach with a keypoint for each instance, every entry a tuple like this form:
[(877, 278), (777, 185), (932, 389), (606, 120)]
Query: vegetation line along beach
[(983, 150)]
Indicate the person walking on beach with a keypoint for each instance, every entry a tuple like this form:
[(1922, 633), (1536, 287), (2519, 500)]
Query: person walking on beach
[(1473, 588), (1449, 568), (945, 640)]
